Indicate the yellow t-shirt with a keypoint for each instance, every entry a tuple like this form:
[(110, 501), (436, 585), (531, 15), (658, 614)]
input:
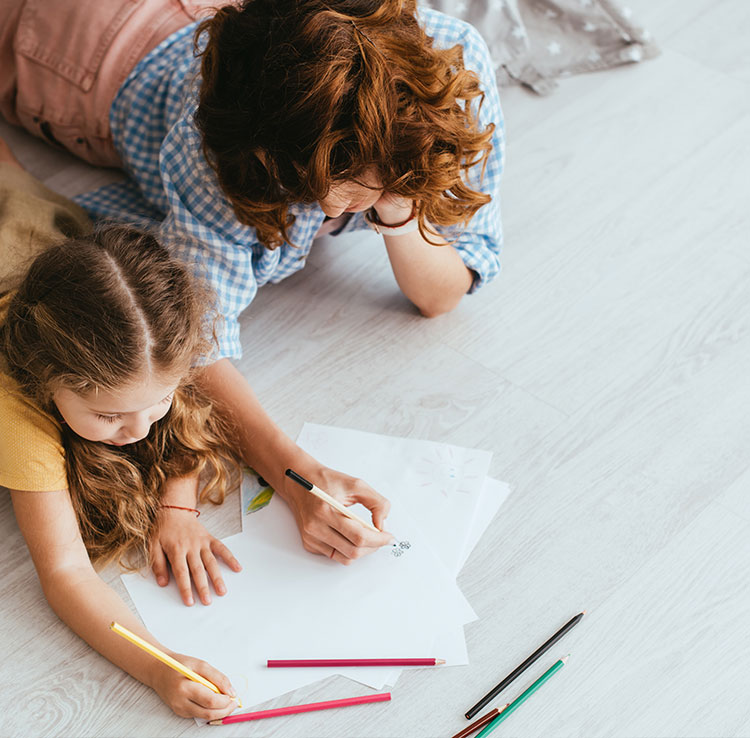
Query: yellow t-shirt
[(31, 452)]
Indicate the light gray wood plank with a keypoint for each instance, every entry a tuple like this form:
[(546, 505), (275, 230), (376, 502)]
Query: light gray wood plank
[(737, 496), (666, 655), (666, 18), (603, 287), (705, 31)]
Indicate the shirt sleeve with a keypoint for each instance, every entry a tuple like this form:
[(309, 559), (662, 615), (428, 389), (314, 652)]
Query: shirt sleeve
[(31, 454), (479, 245), (202, 230)]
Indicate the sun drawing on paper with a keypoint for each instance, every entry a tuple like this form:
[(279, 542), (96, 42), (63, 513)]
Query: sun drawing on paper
[(441, 468)]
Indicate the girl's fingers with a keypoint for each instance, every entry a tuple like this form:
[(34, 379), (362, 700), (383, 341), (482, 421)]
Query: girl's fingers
[(216, 677), (159, 565), (214, 573), (205, 704), (195, 710), (223, 552), (200, 580), (182, 578)]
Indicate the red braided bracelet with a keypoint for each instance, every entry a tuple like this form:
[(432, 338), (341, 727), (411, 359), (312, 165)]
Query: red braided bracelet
[(189, 509)]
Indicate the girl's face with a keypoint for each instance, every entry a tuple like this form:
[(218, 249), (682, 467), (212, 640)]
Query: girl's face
[(352, 197), (116, 418)]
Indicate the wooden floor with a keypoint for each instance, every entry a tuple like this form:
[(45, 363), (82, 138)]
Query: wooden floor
[(607, 369)]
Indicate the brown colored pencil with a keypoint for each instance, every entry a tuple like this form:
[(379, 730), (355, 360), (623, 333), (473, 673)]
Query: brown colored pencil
[(480, 723)]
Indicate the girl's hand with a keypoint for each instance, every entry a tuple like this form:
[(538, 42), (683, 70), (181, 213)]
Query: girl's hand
[(190, 699), (192, 552), (326, 531)]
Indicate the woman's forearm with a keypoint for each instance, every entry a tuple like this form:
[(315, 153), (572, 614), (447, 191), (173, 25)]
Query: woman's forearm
[(261, 443), (434, 278)]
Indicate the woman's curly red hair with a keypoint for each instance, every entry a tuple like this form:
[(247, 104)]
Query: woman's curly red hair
[(297, 95)]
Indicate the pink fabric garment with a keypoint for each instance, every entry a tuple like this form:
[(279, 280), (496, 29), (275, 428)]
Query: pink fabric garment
[(63, 62)]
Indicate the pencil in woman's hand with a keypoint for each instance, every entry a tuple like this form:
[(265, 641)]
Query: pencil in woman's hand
[(333, 502)]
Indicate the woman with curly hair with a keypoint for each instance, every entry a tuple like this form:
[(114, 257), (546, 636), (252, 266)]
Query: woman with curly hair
[(264, 126)]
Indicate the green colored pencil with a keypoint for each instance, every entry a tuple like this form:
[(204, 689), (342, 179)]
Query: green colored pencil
[(524, 696)]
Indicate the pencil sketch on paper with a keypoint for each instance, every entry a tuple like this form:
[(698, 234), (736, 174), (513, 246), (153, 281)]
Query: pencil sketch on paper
[(399, 548)]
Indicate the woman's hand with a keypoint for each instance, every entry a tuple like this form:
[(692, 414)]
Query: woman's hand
[(393, 209), (326, 531), (192, 552), (190, 699)]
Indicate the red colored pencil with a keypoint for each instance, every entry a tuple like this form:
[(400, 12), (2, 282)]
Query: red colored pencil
[(293, 709), (279, 663)]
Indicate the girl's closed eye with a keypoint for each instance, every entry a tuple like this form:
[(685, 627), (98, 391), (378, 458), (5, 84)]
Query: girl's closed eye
[(108, 418)]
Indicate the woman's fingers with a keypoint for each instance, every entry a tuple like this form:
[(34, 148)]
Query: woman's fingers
[(357, 534), (378, 505), (340, 548)]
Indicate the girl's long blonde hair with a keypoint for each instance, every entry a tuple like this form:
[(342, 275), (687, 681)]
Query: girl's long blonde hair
[(98, 312)]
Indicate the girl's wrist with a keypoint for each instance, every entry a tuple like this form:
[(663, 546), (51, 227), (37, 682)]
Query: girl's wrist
[(181, 509)]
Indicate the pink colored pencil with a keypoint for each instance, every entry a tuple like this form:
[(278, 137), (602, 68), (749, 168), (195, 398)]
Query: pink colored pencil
[(281, 663), (293, 709)]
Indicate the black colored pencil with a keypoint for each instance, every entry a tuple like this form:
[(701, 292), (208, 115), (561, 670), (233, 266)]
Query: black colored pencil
[(523, 666)]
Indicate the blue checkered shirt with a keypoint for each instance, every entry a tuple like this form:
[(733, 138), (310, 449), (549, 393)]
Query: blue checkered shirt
[(171, 183)]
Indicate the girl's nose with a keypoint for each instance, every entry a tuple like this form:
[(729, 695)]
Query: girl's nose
[(138, 427)]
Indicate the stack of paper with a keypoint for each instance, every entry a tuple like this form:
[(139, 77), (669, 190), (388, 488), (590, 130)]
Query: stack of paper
[(401, 601)]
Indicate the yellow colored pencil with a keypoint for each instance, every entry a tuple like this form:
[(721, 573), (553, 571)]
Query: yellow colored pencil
[(157, 653)]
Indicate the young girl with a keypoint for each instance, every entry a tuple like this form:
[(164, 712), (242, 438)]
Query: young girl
[(105, 434), (298, 117)]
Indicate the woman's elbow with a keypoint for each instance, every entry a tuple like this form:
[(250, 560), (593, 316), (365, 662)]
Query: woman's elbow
[(436, 307)]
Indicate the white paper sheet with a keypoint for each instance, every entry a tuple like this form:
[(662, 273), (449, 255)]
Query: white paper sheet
[(451, 645), (290, 604), (439, 482), (287, 603)]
